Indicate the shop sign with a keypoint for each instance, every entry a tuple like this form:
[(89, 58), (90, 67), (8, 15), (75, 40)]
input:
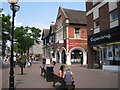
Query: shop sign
[(108, 36)]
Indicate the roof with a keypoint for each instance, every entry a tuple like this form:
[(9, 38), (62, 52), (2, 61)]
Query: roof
[(75, 16), (52, 27), (45, 33)]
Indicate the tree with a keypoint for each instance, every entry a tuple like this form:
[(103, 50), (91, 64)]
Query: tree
[(6, 31), (22, 62), (35, 33), (25, 40)]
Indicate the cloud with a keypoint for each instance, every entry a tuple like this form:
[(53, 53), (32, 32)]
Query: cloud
[(18, 23), (39, 25)]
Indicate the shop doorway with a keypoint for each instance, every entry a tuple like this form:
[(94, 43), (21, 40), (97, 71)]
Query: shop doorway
[(63, 57), (77, 57)]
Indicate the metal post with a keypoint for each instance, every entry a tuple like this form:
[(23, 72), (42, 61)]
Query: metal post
[(11, 77)]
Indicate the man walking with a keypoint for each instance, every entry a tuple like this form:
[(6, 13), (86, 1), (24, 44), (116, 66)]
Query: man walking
[(14, 58)]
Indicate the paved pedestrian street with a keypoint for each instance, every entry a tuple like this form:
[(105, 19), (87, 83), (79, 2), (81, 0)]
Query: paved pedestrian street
[(84, 78)]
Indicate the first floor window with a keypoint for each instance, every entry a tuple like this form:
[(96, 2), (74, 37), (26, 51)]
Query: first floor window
[(77, 33), (96, 23), (114, 15)]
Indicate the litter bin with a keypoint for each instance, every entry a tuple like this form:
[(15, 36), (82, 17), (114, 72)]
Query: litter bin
[(49, 77)]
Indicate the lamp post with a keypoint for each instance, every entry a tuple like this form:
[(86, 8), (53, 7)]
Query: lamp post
[(14, 7)]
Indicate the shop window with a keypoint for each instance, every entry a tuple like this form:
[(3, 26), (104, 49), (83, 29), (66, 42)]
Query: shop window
[(113, 55), (114, 15), (77, 33), (96, 23)]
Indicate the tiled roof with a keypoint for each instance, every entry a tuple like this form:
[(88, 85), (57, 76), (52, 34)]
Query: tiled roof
[(45, 33), (75, 16)]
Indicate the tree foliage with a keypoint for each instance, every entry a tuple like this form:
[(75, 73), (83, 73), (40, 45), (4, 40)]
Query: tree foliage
[(24, 39), (6, 31)]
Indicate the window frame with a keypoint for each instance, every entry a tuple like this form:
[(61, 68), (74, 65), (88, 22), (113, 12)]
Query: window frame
[(75, 33), (95, 26), (111, 20)]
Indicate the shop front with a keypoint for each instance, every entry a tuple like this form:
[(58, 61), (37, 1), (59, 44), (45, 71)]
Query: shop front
[(107, 45)]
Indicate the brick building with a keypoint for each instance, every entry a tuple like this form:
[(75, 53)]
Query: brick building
[(70, 37), (103, 29)]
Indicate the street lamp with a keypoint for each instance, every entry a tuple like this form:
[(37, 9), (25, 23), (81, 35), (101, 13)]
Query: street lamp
[(14, 7)]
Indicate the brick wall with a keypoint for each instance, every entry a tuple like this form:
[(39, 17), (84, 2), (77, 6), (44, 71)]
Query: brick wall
[(83, 31), (90, 24), (104, 17), (84, 46), (77, 42), (89, 6)]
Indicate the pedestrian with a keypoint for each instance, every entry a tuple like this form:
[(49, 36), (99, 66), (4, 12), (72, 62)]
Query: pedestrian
[(44, 61), (68, 76), (30, 62), (61, 71), (14, 58), (54, 60)]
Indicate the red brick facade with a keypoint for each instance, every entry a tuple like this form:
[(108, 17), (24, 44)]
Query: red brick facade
[(69, 40), (104, 23), (104, 17), (82, 42)]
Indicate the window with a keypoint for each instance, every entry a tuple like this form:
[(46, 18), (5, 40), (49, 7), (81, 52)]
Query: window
[(60, 35), (59, 22), (96, 23), (114, 15), (77, 33)]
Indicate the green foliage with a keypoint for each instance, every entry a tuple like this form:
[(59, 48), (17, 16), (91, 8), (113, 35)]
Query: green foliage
[(37, 55), (35, 33), (6, 31), (22, 61), (24, 39)]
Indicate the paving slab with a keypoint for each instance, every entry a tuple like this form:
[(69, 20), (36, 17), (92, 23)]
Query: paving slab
[(84, 78)]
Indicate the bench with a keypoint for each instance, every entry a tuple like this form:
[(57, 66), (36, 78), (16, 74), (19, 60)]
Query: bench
[(43, 72), (56, 79)]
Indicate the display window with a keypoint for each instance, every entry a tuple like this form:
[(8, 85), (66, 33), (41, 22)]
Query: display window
[(112, 55)]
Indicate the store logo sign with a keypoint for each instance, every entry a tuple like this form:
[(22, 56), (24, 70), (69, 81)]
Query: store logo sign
[(108, 36)]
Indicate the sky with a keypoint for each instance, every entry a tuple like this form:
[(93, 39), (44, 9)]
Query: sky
[(40, 14)]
